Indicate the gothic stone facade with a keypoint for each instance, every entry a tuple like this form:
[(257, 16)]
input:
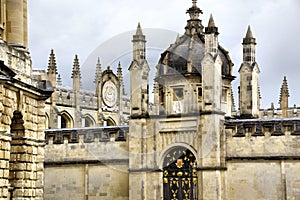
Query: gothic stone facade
[(192, 143)]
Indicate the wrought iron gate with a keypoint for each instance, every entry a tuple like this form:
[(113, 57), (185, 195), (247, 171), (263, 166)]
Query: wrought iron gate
[(180, 175)]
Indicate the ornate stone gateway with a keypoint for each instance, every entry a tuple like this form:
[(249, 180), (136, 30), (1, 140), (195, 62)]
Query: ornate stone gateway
[(180, 175)]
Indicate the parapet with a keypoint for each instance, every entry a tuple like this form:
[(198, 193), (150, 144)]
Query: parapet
[(87, 135), (263, 139)]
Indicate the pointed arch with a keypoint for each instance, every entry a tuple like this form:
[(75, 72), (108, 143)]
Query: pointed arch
[(66, 120), (110, 122), (47, 121), (180, 179), (89, 121)]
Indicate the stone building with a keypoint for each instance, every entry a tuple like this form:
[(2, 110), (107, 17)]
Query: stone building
[(23, 92), (190, 143), (193, 143)]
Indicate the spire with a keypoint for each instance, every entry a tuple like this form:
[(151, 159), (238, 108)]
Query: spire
[(76, 68), (98, 73), (211, 27), (249, 33), (211, 22), (139, 44), (249, 39), (284, 94), (119, 72), (139, 29), (120, 77), (194, 25), (52, 69)]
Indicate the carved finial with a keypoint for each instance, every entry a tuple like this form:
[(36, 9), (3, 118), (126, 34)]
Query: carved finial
[(59, 80), (194, 3), (194, 25), (52, 69), (272, 106), (76, 68), (119, 72), (284, 93), (98, 73)]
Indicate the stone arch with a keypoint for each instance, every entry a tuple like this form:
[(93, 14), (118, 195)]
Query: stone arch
[(166, 150), (89, 121), (47, 121), (17, 131), (66, 120), (110, 122)]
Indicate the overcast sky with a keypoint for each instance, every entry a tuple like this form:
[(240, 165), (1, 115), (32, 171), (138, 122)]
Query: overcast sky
[(103, 28)]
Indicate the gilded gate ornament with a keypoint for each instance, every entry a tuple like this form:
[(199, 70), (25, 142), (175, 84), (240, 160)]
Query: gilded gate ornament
[(180, 175)]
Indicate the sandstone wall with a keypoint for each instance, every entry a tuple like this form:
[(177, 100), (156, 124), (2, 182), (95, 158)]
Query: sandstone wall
[(261, 179), (82, 181)]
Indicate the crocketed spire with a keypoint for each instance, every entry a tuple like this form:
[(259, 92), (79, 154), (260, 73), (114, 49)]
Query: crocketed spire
[(284, 91), (98, 73), (52, 69), (76, 68)]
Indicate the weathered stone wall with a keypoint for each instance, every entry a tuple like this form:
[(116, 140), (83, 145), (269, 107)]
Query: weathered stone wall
[(262, 179), (82, 181), (22, 144), (94, 170)]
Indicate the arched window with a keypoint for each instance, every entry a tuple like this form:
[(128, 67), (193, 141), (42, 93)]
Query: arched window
[(47, 121), (66, 120), (111, 122), (180, 175), (88, 121), (63, 122)]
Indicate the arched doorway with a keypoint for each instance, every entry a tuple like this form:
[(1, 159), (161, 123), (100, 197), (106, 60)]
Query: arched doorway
[(180, 175)]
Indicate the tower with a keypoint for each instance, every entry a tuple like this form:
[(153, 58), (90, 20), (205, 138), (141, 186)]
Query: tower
[(249, 98), (14, 22), (139, 76), (139, 71)]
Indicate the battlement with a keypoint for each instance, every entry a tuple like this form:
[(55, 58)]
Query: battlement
[(87, 145), (291, 112), (263, 139), (86, 135), (65, 96), (263, 127)]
